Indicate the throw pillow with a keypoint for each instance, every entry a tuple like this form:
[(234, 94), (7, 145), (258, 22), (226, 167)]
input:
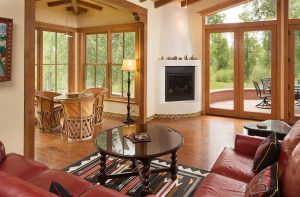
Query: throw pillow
[(59, 190), (2, 152), (265, 183), (267, 153)]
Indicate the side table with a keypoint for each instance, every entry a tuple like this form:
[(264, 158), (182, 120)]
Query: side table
[(279, 127)]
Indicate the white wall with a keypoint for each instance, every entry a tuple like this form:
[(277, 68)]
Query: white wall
[(12, 92)]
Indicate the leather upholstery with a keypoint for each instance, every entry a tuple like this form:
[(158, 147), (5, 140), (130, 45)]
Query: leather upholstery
[(218, 185), (287, 146), (21, 167), (75, 185), (16, 187), (2, 152), (240, 169), (22, 177), (233, 168), (246, 144), (290, 181), (96, 190)]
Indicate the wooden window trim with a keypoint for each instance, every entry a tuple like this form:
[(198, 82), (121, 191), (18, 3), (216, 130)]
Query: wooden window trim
[(275, 24), (42, 27), (110, 29)]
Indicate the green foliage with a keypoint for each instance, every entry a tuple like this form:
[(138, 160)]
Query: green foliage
[(294, 9), (257, 47), (217, 18)]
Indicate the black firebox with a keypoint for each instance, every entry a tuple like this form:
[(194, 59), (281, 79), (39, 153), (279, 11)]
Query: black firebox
[(180, 83)]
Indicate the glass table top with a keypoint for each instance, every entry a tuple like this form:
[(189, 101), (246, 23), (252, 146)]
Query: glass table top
[(164, 140)]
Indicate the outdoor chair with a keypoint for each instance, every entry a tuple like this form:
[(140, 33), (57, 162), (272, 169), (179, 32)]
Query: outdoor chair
[(266, 98), (99, 94), (49, 112), (78, 118), (266, 84)]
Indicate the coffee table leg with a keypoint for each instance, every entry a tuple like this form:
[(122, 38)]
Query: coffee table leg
[(102, 176), (174, 166), (146, 177)]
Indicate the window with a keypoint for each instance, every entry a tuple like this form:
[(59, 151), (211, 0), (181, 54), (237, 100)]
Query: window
[(103, 66), (253, 11), (52, 61), (294, 9)]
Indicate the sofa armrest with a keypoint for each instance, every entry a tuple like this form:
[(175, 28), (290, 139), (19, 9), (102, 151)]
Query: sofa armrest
[(247, 145), (2, 152)]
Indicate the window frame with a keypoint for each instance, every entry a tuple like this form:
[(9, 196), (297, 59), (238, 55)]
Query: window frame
[(45, 27), (110, 29)]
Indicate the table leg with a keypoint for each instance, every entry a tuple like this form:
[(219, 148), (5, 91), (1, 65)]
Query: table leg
[(102, 176), (146, 176), (174, 166)]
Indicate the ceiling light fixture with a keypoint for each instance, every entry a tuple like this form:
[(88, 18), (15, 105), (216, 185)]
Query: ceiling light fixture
[(66, 27), (185, 4)]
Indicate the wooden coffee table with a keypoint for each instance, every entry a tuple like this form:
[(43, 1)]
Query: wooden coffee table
[(113, 142), (279, 127)]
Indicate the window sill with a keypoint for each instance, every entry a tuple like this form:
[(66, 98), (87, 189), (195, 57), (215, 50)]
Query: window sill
[(119, 100)]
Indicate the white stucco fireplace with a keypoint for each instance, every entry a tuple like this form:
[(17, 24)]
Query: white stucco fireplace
[(178, 107)]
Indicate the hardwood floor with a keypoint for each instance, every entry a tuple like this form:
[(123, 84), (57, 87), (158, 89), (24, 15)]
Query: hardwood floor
[(204, 139)]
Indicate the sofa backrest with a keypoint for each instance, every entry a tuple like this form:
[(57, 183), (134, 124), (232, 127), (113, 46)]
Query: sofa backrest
[(12, 186), (288, 144), (290, 181), (2, 152)]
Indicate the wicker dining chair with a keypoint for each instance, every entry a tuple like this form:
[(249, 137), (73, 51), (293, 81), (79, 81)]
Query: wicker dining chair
[(79, 118), (49, 112), (99, 94)]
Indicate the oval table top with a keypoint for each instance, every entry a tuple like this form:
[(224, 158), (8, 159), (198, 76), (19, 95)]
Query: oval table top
[(164, 140), (73, 96)]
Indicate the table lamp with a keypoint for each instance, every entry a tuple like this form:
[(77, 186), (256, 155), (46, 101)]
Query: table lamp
[(128, 65)]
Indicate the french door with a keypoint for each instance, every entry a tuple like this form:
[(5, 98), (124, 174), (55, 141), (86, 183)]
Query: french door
[(236, 60), (294, 74)]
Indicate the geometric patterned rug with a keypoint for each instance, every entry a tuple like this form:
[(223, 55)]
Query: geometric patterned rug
[(188, 179)]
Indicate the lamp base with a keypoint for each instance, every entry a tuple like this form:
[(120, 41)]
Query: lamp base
[(128, 120)]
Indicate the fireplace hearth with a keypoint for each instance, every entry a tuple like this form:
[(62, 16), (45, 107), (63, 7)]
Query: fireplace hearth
[(179, 83)]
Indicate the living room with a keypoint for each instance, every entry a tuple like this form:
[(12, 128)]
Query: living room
[(170, 34)]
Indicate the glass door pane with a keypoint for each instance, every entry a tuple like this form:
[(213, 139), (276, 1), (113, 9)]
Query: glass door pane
[(296, 59), (257, 71), (221, 61)]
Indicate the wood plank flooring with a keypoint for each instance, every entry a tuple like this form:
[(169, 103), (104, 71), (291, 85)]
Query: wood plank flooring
[(204, 139)]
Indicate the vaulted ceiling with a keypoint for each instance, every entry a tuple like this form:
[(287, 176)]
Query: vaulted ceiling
[(82, 6)]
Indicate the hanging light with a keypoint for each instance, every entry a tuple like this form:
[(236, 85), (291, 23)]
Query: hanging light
[(66, 27), (185, 4)]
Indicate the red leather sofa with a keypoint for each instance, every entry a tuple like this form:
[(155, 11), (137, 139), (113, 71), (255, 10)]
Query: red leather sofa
[(233, 169), (24, 177)]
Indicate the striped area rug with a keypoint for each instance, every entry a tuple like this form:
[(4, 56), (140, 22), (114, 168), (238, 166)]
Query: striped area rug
[(188, 179)]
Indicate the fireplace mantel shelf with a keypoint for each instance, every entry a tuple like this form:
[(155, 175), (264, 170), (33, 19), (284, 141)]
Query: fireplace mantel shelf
[(179, 62)]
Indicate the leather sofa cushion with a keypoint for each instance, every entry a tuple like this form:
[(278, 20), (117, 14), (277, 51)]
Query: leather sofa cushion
[(98, 190), (287, 146), (290, 182), (12, 186), (75, 185), (218, 185), (21, 167), (234, 165)]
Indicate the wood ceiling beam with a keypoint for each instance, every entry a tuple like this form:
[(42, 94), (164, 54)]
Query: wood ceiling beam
[(58, 3), (75, 6), (83, 3), (221, 6), (127, 6), (80, 9), (160, 3), (188, 2)]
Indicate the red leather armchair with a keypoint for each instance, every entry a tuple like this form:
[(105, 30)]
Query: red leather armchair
[(233, 169), (24, 177)]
